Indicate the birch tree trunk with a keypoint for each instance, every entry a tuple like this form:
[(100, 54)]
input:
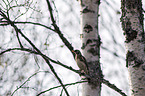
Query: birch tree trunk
[(132, 23), (91, 46)]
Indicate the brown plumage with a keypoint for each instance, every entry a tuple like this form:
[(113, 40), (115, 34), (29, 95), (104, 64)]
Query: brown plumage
[(81, 62)]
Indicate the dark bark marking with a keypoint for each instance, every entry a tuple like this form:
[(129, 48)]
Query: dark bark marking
[(140, 78), (136, 4), (138, 63), (140, 88), (88, 28), (131, 5), (88, 41), (97, 43), (83, 46), (96, 47), (143, 67), (97, 2), (94, 51), (133, 91), (130, 56), (92, 45), (87, 10), (95, 73), (143, 37), (82, 4), (129, 32), (130, 35)]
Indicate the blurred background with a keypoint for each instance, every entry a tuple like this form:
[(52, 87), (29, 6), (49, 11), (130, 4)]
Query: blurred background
[(32, 74)]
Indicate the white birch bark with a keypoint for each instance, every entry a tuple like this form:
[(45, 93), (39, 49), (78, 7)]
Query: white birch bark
[(132, 23), (91, 46)]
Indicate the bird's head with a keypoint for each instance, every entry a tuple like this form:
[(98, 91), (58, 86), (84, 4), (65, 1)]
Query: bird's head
[(77, 52)]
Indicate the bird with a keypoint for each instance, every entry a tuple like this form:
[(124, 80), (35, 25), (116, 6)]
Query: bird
[(81, 62)]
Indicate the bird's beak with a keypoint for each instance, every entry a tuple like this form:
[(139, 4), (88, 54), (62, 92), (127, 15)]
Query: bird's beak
[(73, 51)]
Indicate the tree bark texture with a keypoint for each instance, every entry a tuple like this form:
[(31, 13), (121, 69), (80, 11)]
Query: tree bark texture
[(91, 46), (132, 24)]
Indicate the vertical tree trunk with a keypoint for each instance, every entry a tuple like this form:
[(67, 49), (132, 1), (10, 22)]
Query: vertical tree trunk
[(132, 23), (91, 46)]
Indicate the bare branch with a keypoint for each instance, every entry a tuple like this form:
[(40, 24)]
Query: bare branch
[(34, 52), (34, 24), (112, 86), (44, 56), (56, 28), (60, 86), (21, 86), (22, 49), (19, 40), (29, 41), (65, 66), (7, 18)]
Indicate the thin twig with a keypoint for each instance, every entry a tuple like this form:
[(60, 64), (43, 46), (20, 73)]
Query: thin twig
[(112, 86), (22, 49), (20, 22), (34, 52), (26, 82), (60, 86), (29, 41), (46, 59)]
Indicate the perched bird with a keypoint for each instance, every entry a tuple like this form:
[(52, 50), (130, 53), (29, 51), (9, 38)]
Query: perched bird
[(81, 62)]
